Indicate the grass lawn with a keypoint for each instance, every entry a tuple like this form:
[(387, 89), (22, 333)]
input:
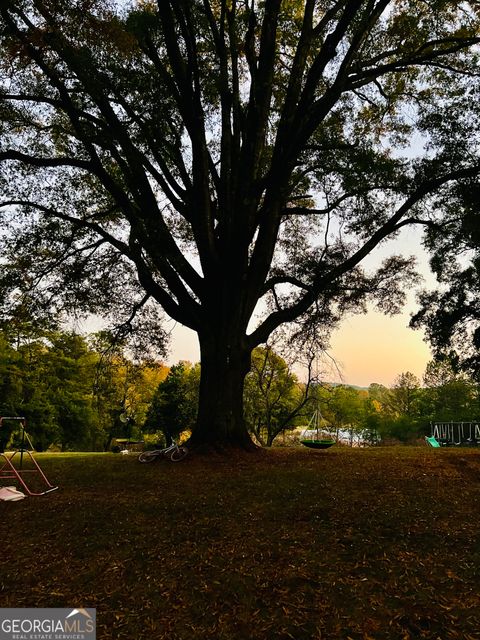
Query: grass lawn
[(287, 544)]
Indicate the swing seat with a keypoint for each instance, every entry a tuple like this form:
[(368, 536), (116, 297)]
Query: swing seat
[(318, 444)]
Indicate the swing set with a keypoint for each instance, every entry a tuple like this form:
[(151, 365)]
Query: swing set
[(14, 469), (448, 434)]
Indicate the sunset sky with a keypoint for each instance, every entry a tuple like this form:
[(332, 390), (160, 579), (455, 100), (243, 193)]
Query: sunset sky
[(377, 348), (367, 348), (374, 348)]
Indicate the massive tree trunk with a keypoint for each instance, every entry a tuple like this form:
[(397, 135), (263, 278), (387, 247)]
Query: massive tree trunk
[(156, 167), (220, 422)]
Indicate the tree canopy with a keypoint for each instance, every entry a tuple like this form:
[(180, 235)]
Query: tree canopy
[(229, 162), (274, 400), (451, 314), (72, 394), (174, 403)]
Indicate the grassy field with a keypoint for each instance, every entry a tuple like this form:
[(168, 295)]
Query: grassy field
[(287, 544)]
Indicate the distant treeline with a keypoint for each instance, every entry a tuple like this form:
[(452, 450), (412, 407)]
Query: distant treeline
[(79, 393), (76, 392)]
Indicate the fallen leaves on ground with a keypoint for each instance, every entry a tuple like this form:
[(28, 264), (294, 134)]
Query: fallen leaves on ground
[(360, 544)]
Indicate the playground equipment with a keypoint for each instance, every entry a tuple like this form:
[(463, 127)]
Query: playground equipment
[(457, 434), (433, 442), (314, 441), (11, 472)]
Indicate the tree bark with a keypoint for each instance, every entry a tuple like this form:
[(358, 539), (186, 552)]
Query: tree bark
[(220, 423)]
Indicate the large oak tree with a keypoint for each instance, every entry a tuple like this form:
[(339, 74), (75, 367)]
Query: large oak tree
[(236, 159)]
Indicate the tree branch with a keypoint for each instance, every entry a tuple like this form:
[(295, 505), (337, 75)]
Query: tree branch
[(366, 76), (144, 273), (284, 279), (11, 154), (132, 170), (288, 314)]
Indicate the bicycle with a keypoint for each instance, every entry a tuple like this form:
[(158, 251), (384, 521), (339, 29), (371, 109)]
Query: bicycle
[(174, 452)]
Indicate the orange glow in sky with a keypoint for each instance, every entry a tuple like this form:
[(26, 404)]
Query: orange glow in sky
[(367, 348), (376, 348)]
